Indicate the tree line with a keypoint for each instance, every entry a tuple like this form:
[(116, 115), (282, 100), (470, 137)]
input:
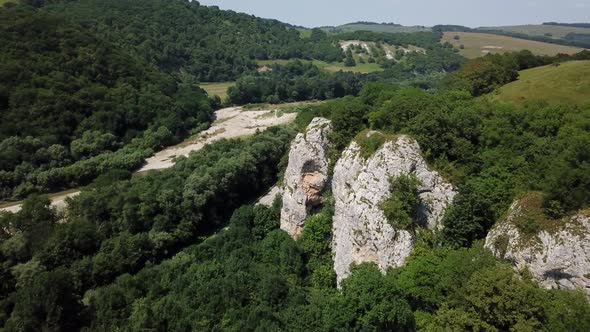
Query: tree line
[(297, 80), (483, 75)]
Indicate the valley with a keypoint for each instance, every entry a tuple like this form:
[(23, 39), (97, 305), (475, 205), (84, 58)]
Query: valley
[(229, 123), (175, 165)]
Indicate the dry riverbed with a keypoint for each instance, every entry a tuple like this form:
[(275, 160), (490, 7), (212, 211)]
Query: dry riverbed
[(229, 123)]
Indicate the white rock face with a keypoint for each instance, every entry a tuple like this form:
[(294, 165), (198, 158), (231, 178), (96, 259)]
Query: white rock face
[(346, 44), (306, 175), (559, 258), (361, 233)]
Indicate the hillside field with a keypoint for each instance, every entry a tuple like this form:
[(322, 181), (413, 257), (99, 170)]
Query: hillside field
[(479, 44), (553, 31), (219, 89), (566, 84)]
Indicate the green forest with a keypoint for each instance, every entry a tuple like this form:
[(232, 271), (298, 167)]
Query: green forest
[(115, 92), (89, 89), (182, 36)]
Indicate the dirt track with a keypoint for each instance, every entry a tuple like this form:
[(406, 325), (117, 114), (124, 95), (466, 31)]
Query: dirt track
[(229, 123)]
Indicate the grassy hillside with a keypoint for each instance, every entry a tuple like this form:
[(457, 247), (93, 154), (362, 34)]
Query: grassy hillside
[(479, 44), (217, 89), (567, 83), (553, 31)]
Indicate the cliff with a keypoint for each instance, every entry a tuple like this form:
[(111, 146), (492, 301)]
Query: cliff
[(306, 175), (361, 232), (555, 252)]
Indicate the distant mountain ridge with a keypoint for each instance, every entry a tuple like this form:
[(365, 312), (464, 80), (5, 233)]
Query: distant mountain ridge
[(387, 27), (372, 23), (575, 25), (568, 34)]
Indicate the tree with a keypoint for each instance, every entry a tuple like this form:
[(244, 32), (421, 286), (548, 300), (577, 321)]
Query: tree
[(483, 75), (93, 143), (402, 206), (377, 303), (48, 303), (318, 34), (349, 61)]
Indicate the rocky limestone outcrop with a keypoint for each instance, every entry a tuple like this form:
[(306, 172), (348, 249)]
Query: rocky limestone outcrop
[(361, 232), (306, 175), (557, 256)]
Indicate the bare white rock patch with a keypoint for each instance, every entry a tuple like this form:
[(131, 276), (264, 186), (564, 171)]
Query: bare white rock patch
[(558, 259), (230, 122)]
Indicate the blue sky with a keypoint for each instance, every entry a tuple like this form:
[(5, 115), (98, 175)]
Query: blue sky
[(473, 13)]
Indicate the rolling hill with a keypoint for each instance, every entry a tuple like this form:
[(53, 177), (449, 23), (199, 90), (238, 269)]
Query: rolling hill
[(479, 44), (210, 44), (374, 27), (541, 30), (576, 34), (566, 83)]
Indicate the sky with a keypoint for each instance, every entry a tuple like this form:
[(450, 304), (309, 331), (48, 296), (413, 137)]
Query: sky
[(472, 13)]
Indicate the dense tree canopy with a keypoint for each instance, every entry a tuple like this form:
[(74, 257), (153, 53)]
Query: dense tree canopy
[(295, 81), (119, 226), (69, 99), (89, 88), (183, 36)]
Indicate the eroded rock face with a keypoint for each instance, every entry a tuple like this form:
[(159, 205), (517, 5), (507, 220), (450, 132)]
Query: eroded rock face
[(306, 175), (557, 257), (361, 233)]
